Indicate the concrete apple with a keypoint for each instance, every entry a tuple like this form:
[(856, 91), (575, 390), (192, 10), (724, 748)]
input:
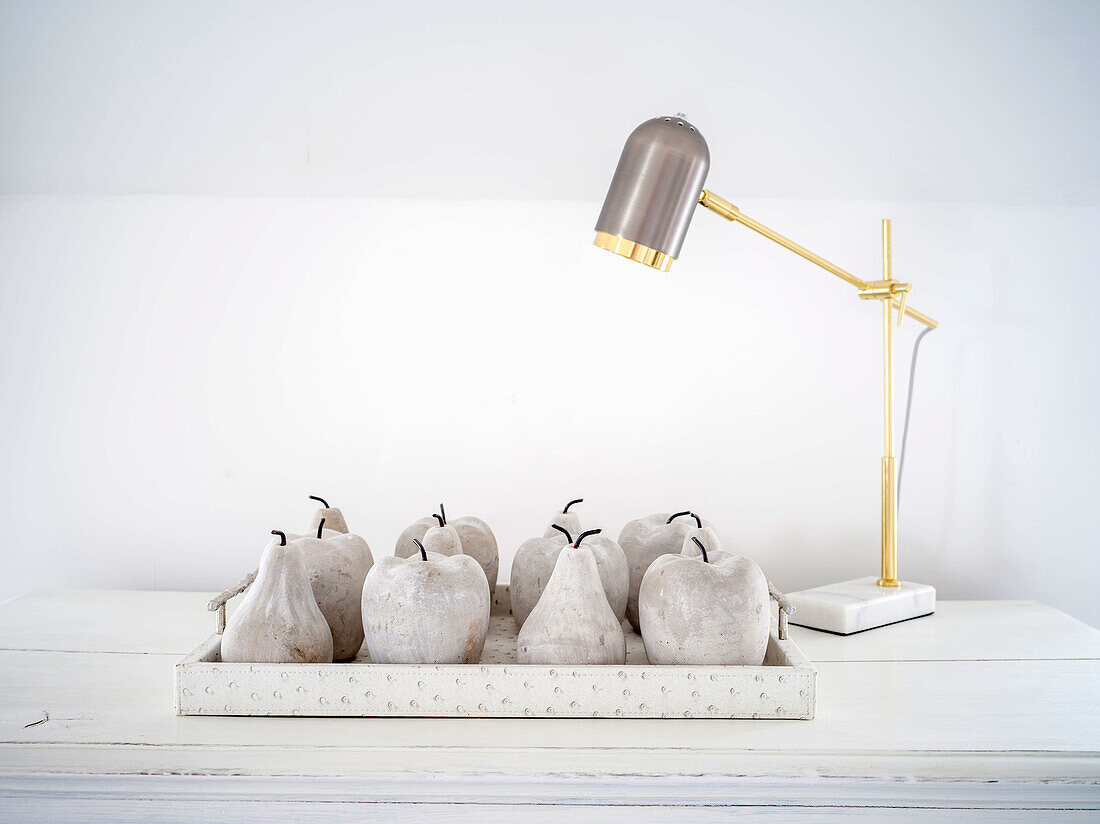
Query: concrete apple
[(704, 610), (336, 567), (532, 567), (646, 539), (426, 609)]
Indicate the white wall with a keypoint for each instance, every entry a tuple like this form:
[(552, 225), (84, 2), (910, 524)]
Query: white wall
[(182, 360), (990, 100)]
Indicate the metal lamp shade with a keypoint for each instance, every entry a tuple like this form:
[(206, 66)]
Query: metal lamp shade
[(653, 195)]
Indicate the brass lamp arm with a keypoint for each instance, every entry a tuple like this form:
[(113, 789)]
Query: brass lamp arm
[(730, 212), (893, 296)]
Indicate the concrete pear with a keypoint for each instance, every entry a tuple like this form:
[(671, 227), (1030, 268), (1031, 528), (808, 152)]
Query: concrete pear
[(536, 559), (278, 621), (476, 539), (646, 539), (333, 517), (442, 539), (567, 520), (705, 610), (572, 623), (711, 544), (426, 609), (337, 566)]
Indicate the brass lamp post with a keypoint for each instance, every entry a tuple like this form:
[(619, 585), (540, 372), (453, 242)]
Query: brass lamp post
[(646, 214)]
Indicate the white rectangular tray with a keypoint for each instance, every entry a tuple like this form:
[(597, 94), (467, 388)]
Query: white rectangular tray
[(784, 687)]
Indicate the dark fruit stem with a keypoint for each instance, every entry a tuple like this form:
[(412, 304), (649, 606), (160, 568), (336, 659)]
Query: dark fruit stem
[(702, 549), (563, 531), (443, 513), (324, 503), (439, 518), (577, 501), (584, 535), (282, 536), (320, 526), (698, 520), (423, 552)]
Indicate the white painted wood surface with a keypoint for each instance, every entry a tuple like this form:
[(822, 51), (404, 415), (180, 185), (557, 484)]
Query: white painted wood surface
[(984, 711)]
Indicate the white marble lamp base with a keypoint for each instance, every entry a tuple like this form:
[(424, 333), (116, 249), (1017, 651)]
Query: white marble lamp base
[(854, 606)]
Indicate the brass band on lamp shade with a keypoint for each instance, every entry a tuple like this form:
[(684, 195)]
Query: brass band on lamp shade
[(654, 192), (634, 251)]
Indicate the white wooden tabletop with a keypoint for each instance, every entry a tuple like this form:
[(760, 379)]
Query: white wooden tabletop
[(988, 709)]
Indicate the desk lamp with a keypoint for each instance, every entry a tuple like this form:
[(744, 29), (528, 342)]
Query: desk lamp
[(645, 216)]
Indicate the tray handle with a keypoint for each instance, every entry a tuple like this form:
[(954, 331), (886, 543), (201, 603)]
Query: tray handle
[(218, 601), (785, 609)]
